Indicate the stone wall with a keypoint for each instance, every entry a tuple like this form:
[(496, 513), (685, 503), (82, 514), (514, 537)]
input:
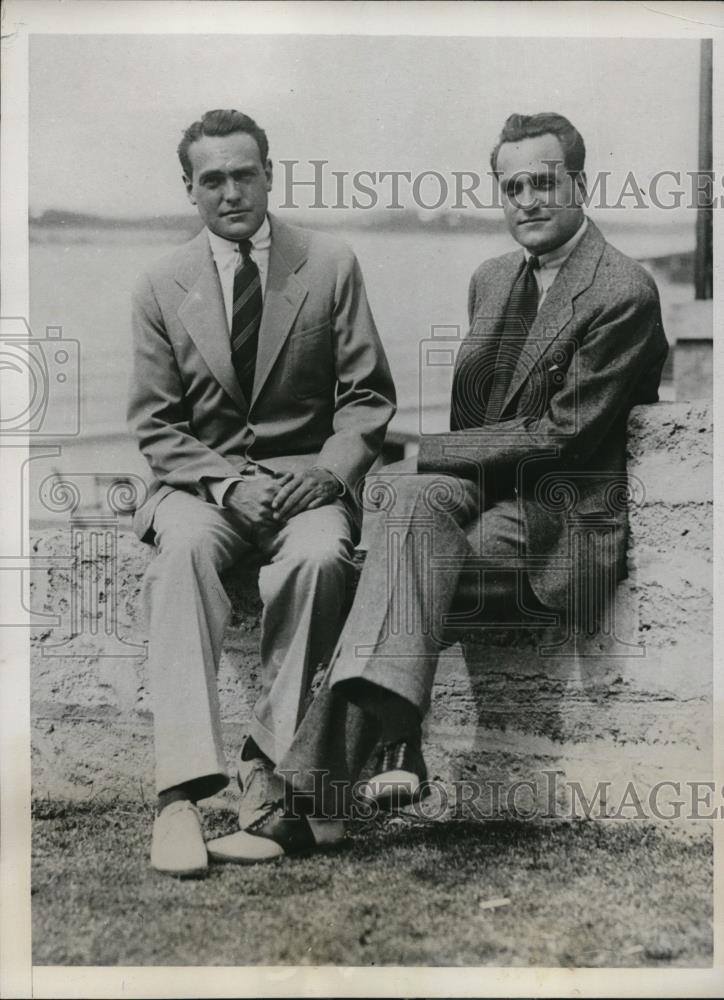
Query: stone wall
[(632, 703)]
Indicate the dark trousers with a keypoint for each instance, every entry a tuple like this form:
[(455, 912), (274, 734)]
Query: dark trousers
[(435, 566)]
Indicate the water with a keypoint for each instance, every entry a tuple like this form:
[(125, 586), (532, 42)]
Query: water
[(414, 282)]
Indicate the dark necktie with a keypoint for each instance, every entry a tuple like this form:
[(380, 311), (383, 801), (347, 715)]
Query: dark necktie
[(246, 318), (520, 314)]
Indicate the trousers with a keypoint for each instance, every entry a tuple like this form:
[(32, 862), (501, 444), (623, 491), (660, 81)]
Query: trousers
[(303, 581), (438, 561), (435, 565)]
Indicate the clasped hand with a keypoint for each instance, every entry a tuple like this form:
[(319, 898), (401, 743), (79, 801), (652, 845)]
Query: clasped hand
[(268, 501)]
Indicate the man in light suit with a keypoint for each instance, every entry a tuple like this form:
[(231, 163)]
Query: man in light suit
[(520, 503), (260, 397)]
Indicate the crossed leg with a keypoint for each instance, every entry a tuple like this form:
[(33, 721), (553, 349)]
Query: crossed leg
[(431, 541)]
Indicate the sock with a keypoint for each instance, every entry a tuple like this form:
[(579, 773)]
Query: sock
[(176, 794), (397, 717)]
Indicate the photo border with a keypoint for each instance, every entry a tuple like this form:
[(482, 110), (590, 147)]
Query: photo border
[(22, 18)]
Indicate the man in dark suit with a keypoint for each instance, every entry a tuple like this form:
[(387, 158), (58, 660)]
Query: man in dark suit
[(523, 495), (260, 396)]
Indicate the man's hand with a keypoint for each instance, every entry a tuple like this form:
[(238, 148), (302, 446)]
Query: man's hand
[(305, 491), (250, 501)]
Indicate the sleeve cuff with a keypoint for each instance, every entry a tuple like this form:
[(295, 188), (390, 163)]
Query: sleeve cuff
[(220, 487)]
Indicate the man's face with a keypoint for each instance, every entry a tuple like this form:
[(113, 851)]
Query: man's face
[(229, 184), (541, 201)]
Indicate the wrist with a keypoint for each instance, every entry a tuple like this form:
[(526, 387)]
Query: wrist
[(333, 479)]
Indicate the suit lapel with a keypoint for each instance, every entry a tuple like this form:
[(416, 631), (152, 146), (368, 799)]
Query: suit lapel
[(203, 314), (482, 337), (500, 285), (574, 277), (283, 297), (476, 360)]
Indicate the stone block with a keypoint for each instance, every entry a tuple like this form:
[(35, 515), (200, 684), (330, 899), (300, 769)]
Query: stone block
[(634, 703)]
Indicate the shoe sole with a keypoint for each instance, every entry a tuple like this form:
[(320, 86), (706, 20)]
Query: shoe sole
[(229, 857), (224, 859), (393, 800), (187, 873)]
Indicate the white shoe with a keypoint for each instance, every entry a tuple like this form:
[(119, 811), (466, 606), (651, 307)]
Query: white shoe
[(177, 846), (242, 848)]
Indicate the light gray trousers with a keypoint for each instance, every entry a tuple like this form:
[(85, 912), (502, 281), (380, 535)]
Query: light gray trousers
[(303, 584)]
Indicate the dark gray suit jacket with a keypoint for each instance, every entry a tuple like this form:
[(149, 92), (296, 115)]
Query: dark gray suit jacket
[(596, 349)]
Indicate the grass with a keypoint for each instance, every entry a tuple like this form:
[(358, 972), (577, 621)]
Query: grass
[(399, 892)]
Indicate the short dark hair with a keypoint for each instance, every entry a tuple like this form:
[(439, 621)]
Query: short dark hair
[(221, 122), (519, 127)]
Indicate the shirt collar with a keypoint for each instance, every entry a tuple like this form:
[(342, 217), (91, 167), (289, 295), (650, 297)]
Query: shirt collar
[(555, 258), (224, 250)]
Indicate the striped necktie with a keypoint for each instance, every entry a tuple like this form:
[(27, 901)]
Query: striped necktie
[(246, 318), (520, 314)]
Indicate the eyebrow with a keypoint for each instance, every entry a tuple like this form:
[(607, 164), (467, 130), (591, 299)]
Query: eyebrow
[(535, 178), (216, 173)]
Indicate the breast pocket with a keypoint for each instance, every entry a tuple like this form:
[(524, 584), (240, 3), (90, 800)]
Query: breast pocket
[(310, 364), (546, 379)]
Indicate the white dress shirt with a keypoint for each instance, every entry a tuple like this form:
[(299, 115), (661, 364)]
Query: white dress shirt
[(549, 264), (226, 257)]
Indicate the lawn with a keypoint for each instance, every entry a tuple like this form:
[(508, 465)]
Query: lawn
[(397, 892)]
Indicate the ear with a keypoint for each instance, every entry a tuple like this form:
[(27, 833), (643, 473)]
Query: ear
[(189, 185), (268, 174), (581, 188)]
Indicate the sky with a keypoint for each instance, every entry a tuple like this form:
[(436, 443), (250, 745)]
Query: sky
[(107, 111)]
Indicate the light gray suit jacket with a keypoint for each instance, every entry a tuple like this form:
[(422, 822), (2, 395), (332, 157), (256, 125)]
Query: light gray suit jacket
[(323, 393)]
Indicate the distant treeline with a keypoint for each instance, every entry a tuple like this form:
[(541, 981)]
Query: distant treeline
[(53, 218), (55, 225), (402, 220)]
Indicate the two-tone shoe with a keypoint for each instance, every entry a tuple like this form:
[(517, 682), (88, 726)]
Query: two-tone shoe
[(277, 834), (260, 788), (400, 776)]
